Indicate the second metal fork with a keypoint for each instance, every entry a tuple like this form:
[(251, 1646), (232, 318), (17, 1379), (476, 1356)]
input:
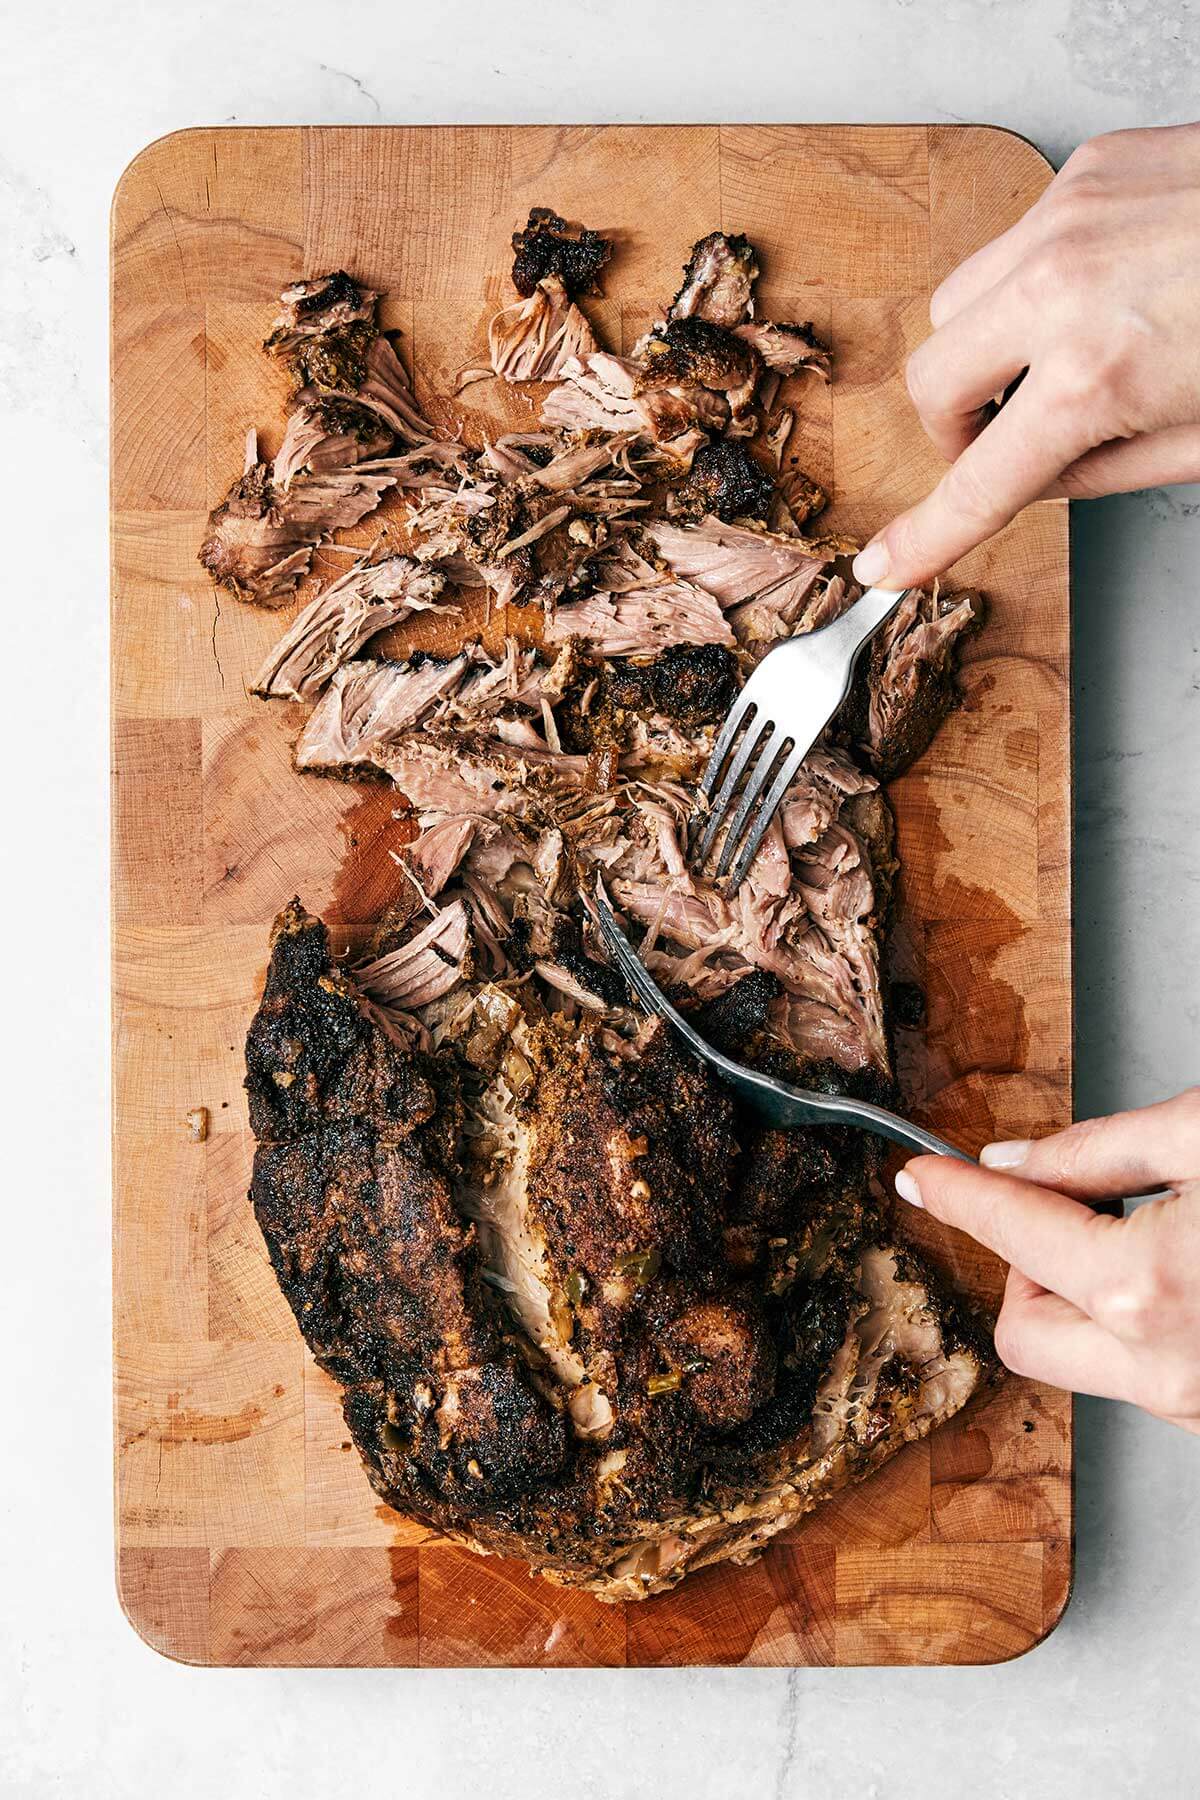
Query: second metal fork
[(772, 726)]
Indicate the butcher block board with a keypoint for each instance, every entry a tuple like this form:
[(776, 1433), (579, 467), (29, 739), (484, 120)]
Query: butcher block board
[(246, 1530)]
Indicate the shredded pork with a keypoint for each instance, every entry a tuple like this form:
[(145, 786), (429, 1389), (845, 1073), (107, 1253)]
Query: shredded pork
[(585, 1309)]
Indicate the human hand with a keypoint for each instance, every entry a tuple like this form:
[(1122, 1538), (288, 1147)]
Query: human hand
[(1094, 294), (1100, 1304)]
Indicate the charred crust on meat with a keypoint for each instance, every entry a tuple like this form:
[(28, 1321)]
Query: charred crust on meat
[(695, 352), (736, 1018), (312, 1055), (692, 684), (726, 481), (333, 360), (630, 1162), (549, 246)]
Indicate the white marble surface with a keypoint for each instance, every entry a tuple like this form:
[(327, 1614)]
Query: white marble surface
[(1107, 1707)]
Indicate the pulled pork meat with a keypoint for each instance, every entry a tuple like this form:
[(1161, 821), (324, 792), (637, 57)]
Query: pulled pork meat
[(534, 339), (906, 682), (352, 403), (787, 348), (585, 1308), (635, 608), (601, 393), (341, 619), (764, 580), (262, 537)]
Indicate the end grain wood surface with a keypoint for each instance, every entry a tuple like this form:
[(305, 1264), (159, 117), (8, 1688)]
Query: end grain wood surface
[(247, 1532)]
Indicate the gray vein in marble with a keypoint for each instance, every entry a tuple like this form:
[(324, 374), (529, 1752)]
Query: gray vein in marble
[(40, 292), (360, 88), (1146, 49)]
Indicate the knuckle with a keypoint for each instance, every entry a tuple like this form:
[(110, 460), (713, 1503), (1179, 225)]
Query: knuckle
[(1079, 376), (916, 380), (1045, 278), (1072, 208), (967, 494), (1093, 157), (1135, 1308)]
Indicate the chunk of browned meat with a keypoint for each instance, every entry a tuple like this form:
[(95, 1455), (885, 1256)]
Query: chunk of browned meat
[(261, 537), (718, 281), (309, 307), (628, 1166), (588, 1332), (549, 246), (352, 1189), (353, 401), (691, 354), (313, 1057), (788, 348), (585, 1307), (726, 481), (905, 684)]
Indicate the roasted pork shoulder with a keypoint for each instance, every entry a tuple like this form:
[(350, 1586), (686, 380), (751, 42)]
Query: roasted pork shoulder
[(584, 1308)]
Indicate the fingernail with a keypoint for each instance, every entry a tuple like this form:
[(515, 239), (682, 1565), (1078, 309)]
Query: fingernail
[(871, 564), (1005, 1156), (907, 1188)]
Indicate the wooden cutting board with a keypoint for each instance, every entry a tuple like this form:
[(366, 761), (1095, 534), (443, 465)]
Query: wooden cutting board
[(246, 1530)]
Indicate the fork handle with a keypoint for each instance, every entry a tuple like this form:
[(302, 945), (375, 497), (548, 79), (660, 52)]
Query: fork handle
[(861, 621), (786, 1105)]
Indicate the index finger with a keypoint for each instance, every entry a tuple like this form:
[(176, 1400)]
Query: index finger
[(1012, 461), (1114, 1157), (1061, 1244), (984, 270)]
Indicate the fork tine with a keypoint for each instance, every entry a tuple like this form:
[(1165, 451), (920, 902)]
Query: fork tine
[(740, 713), (769, 748), (787, 773), (718, 811)]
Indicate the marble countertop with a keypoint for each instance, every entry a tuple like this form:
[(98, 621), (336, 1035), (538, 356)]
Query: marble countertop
[(1107, 1705)]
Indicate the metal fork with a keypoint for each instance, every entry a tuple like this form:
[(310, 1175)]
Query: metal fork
[(775, 1100), (779, 715)]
